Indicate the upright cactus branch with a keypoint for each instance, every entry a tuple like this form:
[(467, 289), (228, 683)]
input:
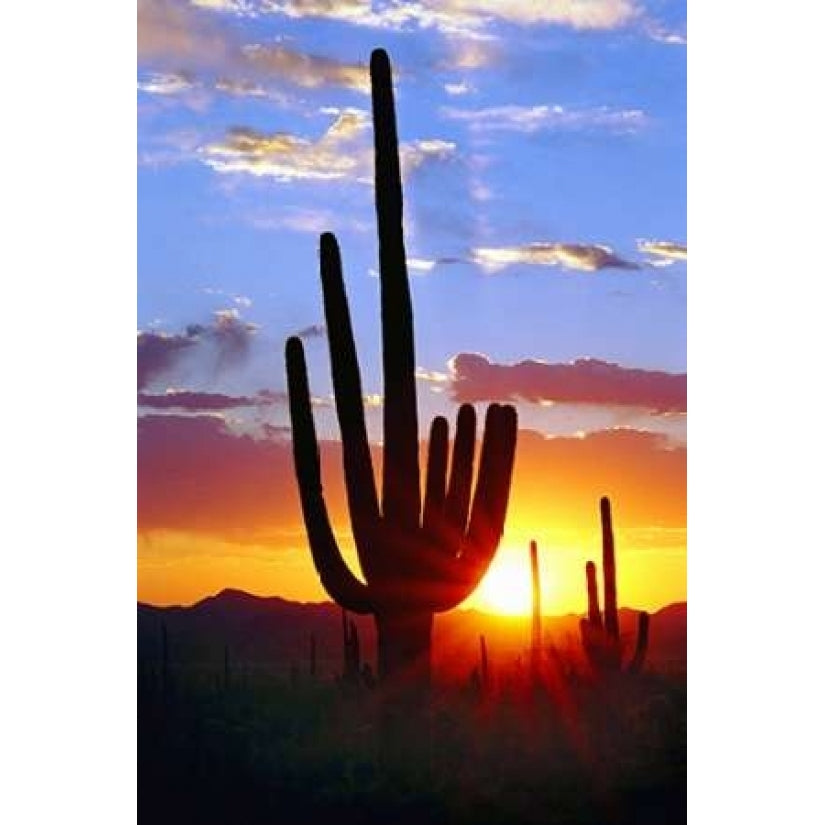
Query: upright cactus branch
[(352, 651), (535, 637), (611, 610), (601, 641), (638, 660), (594, 615), (416, 561), (485, 665)]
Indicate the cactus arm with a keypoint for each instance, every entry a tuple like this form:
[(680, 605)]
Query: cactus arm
[(336, 577), (436, 480), (489, 506), (638, 660), (611, 612), (360, 483), (590, 638), (594, 615), (493, 486), (457, 505), (401, 482)]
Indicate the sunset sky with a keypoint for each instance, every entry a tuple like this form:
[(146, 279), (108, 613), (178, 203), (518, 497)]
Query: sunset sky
[(544, 159)]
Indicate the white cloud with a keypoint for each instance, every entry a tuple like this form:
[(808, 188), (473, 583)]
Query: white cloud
[(461, 16), (583, 257), (166, 84), (529, 119), (420, 264), (668, 250), (341, 153), (456, 89)]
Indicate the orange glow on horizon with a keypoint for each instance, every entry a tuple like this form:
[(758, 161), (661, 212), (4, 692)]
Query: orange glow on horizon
[(178, 567)]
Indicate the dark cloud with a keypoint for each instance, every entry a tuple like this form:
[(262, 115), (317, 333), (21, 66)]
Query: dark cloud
[(219, 345), (196, 474), (585, 381), (232, 337), (158, 352), (207, 401)]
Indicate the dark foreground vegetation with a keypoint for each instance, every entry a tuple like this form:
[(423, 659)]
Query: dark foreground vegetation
[(558, 748)]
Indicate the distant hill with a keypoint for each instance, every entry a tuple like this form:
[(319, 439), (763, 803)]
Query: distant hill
[(272, 636)]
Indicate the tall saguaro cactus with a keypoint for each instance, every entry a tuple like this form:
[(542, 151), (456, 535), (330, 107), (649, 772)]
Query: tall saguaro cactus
[(601, 638), (416, 562)]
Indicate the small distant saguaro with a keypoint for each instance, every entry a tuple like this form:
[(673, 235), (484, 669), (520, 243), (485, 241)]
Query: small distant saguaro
[(600, 637), (535, 637)]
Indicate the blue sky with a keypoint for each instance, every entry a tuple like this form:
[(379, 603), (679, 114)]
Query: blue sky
[(545, 186)]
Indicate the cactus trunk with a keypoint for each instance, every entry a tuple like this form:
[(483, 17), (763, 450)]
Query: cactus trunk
[(404, 642)]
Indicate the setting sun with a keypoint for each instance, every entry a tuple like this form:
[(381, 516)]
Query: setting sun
[(506, 588)]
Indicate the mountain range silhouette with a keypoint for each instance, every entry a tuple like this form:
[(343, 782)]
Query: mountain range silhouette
[(270, 636)]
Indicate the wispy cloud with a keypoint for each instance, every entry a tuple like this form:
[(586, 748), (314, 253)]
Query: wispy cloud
[(312, 221), (288, 157), (421, 264), (457, 89), (341, 153), (307, 70), (194, 401), (175, 34), (432, 376), (530, 119), (583, 257), (222, 343), (312, 331), (664, 34), (176, 30), (242, 7), (243, 88), (462, 16), (584, 381), (667, 252), (166, 84)]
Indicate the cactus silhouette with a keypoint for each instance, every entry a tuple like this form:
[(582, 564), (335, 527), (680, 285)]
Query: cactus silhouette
[(600, 637), (484, 662), (414, 563), (352, 651), (535, 637)]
